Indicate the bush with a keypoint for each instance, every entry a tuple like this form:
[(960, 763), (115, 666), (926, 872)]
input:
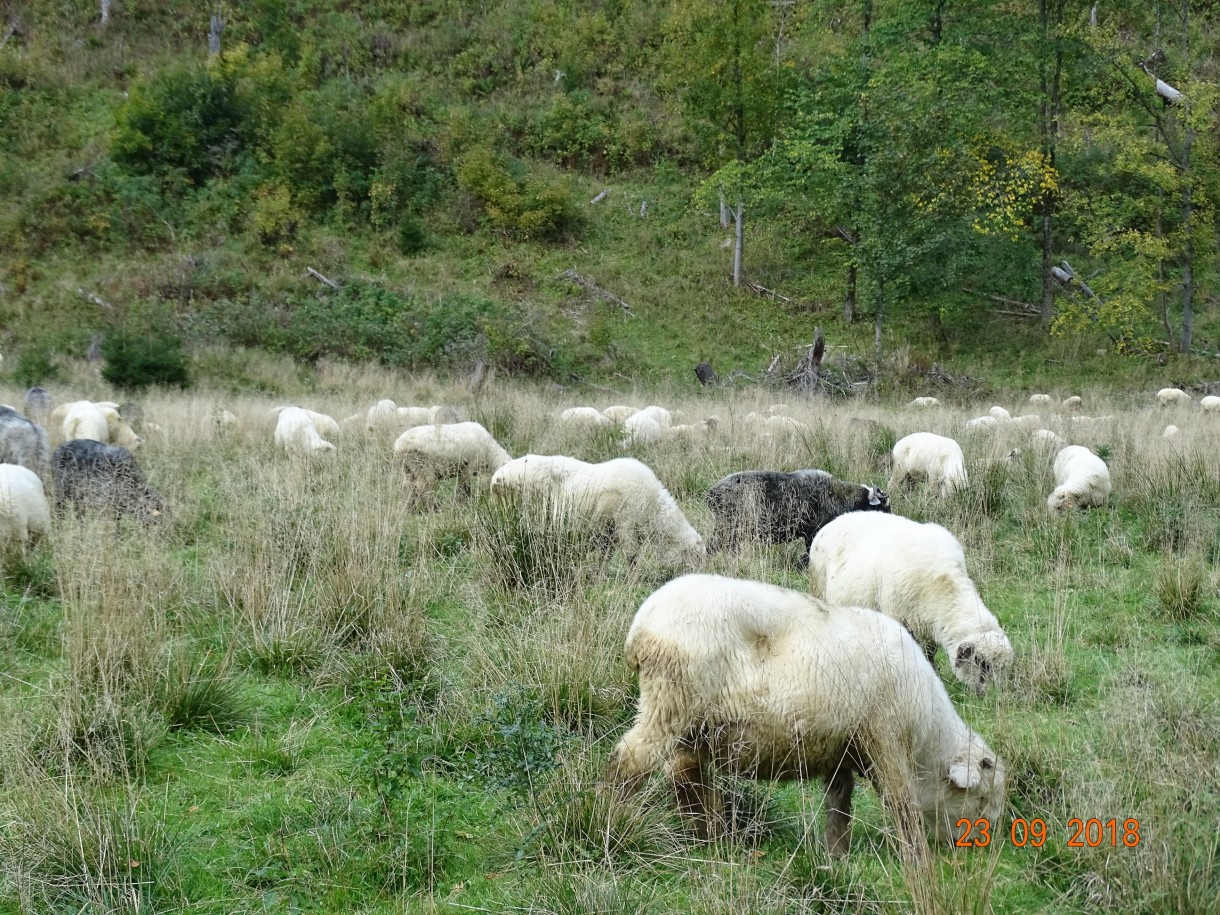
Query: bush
[(525, 207), (135, 359)]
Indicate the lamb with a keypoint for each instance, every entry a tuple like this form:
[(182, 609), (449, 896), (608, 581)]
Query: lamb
[(296, 433), (1172, 397), (93, 475), (925, 455), (915, 573), (457, 449), (25, 515), (1040, 400), (23, 442), (778, 507), (533, 475), (1082, 480), (1210, 404), (766, 682), (625, 495)]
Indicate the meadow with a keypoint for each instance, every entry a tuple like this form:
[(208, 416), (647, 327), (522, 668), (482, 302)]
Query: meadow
[(302, 692)]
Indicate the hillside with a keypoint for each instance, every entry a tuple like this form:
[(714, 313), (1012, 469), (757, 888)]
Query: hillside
[(439, 163)]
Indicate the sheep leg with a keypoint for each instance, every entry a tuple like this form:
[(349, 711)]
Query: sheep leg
[(699, 803), (632, 760), (838, 810)]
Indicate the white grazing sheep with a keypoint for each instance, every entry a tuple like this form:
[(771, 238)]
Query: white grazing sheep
[(1210, 404), (382, 414), (25, 514), (408, 417), (924, 402), (585, 416), (1172, 397), (296, 433), (931, 457), (449, 450), (533, 475), (1045, 438), (694, 430), (1040, 400), (1171, 431), (642, 428), (223, 418), (766, 682), (118, 432), (1072, 404), (915, 573), (326, 425), (980, 423), (1000, 413), (83, 419), (1082, 480), (1027, 422), (624, 494), (618, 413)]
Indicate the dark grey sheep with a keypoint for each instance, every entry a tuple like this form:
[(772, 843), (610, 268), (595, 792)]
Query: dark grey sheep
[(38, 405), (105, 478), (777, 507), (23, 442)]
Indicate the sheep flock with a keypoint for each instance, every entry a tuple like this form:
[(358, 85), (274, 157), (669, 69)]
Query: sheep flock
[(812, 589)]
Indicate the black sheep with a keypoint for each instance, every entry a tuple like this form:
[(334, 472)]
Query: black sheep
[(105, 478)]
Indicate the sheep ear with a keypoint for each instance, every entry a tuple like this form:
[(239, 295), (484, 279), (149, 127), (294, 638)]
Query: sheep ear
[(965, 776), (875, 496)]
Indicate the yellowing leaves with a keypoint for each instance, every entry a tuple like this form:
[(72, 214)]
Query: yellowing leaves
[(1007, 187)]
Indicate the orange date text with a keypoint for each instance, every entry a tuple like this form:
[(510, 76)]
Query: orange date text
[(1023, 833)]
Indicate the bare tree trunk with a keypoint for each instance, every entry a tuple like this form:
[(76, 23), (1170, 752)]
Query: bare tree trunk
[(740, 246), (105, 11), (849, 301), (725, 213), (1052, 20), (217, 26), (1188, 248), (879, 318)]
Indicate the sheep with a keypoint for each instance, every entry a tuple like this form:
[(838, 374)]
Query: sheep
[(1000, 413), (924, 402), (93, 475), (1082, 480), (222, 418), (1172, 397), (981, 422), (296, 433), (381, 414), (444, 450), (1045, 438), (618, 414), (23, 442), (585, 416), (83, 419), (118, 430), (779, 507), (533, 474), (1171, 431), (1210, 404), (925, 455), (1027, 422), (38, 405), (625, 495), (766, 682), (642, 428), (409, 417), (25, 515), (1040, 400), (915, 573), (694, 430), (1072, 404)]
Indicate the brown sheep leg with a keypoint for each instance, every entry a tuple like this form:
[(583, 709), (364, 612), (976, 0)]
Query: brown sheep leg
[(698, 802), (838, 811)]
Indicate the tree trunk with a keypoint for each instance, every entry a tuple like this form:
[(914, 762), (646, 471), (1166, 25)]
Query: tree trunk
[(1188, 248), (740, 246), (849, 301), (878, 318), (217, 26), (105, 11), (1048, 124), (725, 212)]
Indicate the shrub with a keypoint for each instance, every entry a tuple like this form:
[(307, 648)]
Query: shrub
[(137, 359), (526, 207)]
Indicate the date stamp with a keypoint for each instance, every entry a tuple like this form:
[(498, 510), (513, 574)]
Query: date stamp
[(1090, 833)]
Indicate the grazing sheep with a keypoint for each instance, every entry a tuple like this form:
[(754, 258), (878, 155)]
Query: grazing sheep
[(1040, 400), (618, 414), (296, 433), (766, 682), (1172, 397), (1027, 422), (1045, 438), (25, 516), (981, 422), (1000, 413), (533, 475), (409, 417), (381, 415), (585, 416), (1210, 404), (778, 507), (38, 405), (1171, 431), (625, 495), (1082, 480), (915, 573), (931, 457), (118, 430), (448, 450), (924, 402), (23, 442), (642, 428), (694, 430), (105, 478), (223, 418), (1072, 404), (83, 419)]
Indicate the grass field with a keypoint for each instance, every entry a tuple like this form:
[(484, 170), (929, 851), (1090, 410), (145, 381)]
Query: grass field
[(304, 693)]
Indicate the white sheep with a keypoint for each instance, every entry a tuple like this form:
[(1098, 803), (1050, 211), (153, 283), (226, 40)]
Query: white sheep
[(1172, 397), (625, 495), (979, 423), (1040, 400), (459, 450), (1082, 480), (1000, 413), (1027, 422), (642, 428), (118, 432), (381, 415), (409, 417), (766, 682), (618, 413), (25, 514), (1072, 404), (1045, 438), (915, 573), (1210, 404), (83, 419), (931, 457), (1171, 431), (586, 417), (924, 402), (533, 475), (296, 433)]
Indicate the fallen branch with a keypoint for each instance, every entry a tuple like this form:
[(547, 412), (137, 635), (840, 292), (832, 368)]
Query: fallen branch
[(589, 286), (321, 279), (94, 298), (1018, 314), (769, 293)]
